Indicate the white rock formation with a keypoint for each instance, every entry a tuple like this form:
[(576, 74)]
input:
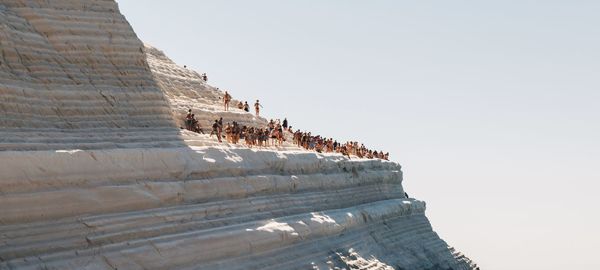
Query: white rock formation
[(185, 90), (96, 174)]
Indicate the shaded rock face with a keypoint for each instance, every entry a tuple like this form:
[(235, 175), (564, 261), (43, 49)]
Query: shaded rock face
[(73, 75), (95, 174)]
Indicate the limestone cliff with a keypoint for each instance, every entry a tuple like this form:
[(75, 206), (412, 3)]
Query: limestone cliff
[(96, 174)]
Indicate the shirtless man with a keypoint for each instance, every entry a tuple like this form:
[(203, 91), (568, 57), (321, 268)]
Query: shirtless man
[(226, 100)]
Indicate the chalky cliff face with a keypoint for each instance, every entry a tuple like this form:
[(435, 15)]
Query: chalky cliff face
[(74, 75), (96, 174)]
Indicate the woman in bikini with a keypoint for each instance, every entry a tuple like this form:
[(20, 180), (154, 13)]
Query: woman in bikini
[(257, 107)]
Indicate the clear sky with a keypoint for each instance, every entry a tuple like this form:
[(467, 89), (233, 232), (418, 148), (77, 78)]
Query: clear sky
[(492, 107)]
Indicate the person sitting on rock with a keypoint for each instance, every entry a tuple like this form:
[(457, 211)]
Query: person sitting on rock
[(240, 105), (196, 125), (246, 107), (188, 120)]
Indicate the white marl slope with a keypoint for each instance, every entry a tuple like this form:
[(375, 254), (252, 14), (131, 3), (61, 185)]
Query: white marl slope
[(74, 75), (186, 89), (95, 174)]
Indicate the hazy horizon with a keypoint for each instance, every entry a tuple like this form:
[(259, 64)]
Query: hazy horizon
[(492, 108)]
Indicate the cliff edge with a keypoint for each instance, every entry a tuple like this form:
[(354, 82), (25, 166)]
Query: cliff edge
[(95, 172)]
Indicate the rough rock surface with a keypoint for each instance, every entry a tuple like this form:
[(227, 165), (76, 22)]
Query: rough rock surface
[(96, 174)]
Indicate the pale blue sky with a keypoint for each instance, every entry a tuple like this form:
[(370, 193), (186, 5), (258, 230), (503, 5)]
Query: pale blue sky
[(492, 107)]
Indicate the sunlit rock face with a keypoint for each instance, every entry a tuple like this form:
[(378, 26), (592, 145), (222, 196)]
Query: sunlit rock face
[(186, 89), (96, 174)]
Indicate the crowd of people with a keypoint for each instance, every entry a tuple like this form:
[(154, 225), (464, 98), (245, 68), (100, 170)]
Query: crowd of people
[(274, 134), (253, 136), (324, 145)]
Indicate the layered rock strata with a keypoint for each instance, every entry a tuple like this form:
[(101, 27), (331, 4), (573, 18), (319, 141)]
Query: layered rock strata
[(73, 75), (96, 174), (186, 89)]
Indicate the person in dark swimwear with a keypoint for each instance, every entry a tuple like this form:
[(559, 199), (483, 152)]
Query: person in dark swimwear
[(285, 124), (216, 130)]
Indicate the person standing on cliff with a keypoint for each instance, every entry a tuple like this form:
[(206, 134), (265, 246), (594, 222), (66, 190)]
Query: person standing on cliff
[(257, 107), (285, 124), (227, 99), (204, 77), (216, 130)]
